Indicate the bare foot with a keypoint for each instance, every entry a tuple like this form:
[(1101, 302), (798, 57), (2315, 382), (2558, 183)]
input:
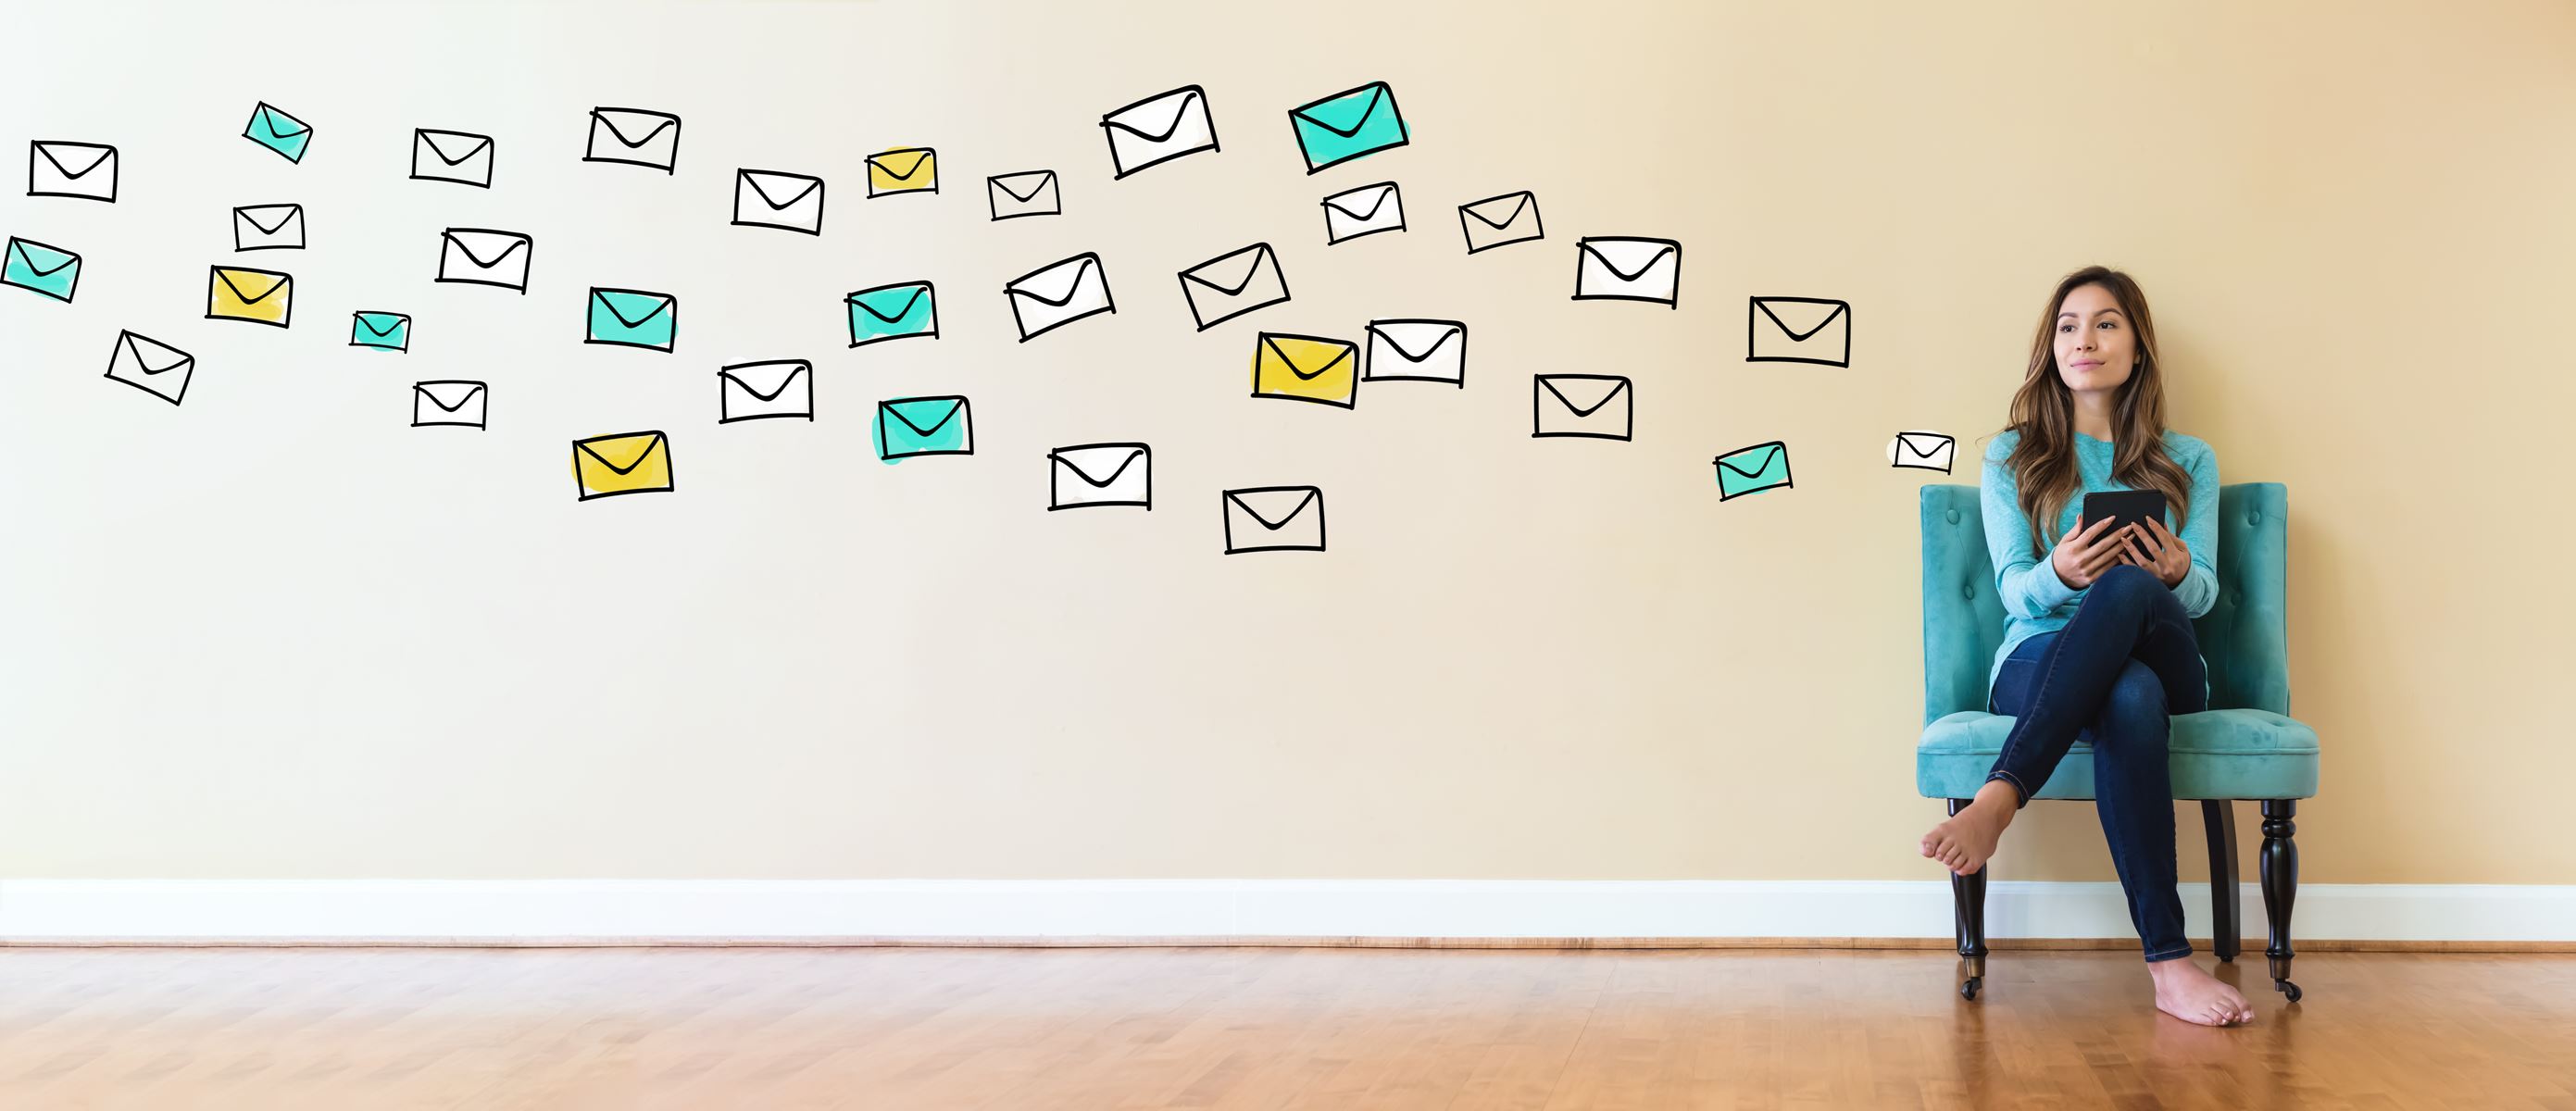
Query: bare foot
[(1967, 838), (2187, 992)]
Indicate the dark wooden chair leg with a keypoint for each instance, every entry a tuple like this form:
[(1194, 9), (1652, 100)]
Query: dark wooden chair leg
[(1968, 915), (2226, 917), (2280, 862)]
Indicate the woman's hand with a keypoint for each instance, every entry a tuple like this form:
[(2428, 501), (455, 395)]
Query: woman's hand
[(2081, 557), (2170, 560)]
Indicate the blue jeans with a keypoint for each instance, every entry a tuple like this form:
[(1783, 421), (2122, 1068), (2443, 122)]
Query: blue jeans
[(2116, 673)]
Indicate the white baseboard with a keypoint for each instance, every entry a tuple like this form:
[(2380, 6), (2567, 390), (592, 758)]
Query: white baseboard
[(34, 910)]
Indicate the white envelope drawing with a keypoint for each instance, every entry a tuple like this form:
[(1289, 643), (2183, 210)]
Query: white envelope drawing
[(149, 365), (634, 137), (1058, 294), (1274, 519), (1033, 193), (1593, 406), (757, 391), (1930, 451), (1417, 351), (1798, 330), (485, 256), (777, 199), (60, 168), (1158, 129), (459, 156), (1233, 284), (1498, 221), (1628, 268), (1100, 474), (268, 227), (1366, 210), (461, 404)]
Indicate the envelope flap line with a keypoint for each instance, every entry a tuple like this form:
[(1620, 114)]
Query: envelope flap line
[(1383, 192), (1764, 304), (608, 299), (1523, 200), (906, 310), (1178, 114), (1259, 252), (272, 115), (619, 133), (1549, 381), (516, 242), (285, 212), (955, 406), (1376, 93), (1133, 454), (1630, 275), (1044, 179), (226, 276), (423, 388), (1311, 494), (133, 345), (783, 383), (882, 162), (48, 149), (479, 145), (1938, 442), (1427, 352), (754, 176), (25, 256), (1069, 291), (650, 443), (1307, 375), (368, 320), (1769, 452)]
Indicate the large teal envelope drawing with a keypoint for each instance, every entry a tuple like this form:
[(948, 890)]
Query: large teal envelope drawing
[(908, 426), (1346, 125), (384, 331), (279, 132), (900, 311), (36, 267), (633, 318), (1753, 469)]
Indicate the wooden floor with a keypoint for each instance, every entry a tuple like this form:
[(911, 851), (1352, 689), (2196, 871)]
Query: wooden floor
[(908, 1028)]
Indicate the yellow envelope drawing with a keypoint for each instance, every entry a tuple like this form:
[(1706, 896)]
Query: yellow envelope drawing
[(1306, 368), (622, 463), (258, 296), (903, 170)]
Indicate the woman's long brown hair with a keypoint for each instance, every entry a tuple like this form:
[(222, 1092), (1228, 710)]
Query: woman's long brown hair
[(2043, 411)]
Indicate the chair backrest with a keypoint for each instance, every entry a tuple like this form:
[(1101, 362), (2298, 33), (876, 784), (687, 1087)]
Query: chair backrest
[(2244, 636)]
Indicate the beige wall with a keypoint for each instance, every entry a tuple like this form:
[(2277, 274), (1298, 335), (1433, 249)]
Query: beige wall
[(274, 633)]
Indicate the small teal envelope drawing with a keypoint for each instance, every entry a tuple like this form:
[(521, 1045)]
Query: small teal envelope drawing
[(1752, 469), (633, 318), (34, 266), (384, 331), (1348, 124), (909, 426), (279, 132), (900, 311)]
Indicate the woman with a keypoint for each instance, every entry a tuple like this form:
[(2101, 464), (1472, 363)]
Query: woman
[(2099, 639)]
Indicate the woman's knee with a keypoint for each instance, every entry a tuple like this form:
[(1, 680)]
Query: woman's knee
[(2135, 710), (2126, 578)]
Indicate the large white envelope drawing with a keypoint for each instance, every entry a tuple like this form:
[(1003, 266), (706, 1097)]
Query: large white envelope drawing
[(1158, 129), (268, 227), (1930, 451), (459, 156), (1100, 474), (149, 365), (59, 168), (1499, 221), (1628, 268), (1274, 519), (1594, 406), (1033, 193), (1058, 294), (1417, 351), (758, 391), (458, 403), (485, 256), (635, 137), (1366, 210), (1798, 330), (777, 199), (1233, 284)]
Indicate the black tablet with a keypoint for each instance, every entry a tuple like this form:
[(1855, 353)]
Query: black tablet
[(2125, 507)]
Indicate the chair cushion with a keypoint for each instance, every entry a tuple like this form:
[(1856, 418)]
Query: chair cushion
[(2220, 754)]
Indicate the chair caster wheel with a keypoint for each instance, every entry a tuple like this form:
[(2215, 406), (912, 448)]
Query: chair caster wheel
[(2286, 988), (1969, 990)]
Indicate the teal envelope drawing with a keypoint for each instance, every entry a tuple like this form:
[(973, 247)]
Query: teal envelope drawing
[(279, 132), (899, 311), (384, 331), (633, 318), (34, 266), (1349, 124), (1752, 470), (909, 426)]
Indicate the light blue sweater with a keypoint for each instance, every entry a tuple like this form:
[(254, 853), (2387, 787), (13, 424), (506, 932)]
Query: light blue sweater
[(2035, 599)]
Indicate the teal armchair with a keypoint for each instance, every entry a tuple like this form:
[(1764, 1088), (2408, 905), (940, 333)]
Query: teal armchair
[(2246, 746)]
